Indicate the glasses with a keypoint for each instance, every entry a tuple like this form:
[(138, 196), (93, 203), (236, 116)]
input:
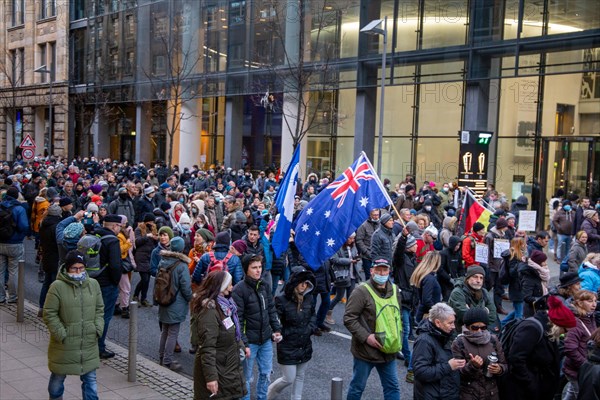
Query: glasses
[(478, 327), (76, 269)]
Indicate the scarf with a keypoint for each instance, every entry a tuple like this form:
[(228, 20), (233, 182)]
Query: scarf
[(544, 274), (230, 310), (477, 338)]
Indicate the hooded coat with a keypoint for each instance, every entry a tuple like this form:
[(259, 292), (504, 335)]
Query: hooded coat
[(575, 345), (381, 244), (434, 379), (451, 267), (19, 214), (298, 321), (74, 315), (590, 277), (176, 312), (521, 203), (577, 254), (531, 287), (364, 234), (463, 297), (48, 243), (405, 264), (591, 228), (40, 205)]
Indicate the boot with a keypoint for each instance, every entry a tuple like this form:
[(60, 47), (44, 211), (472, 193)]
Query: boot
[(125, 313), (329, 318), (117, 310)]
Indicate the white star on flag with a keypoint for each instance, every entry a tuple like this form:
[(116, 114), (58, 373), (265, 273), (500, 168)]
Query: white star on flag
[(318, 233), (327, 214), (330, 242), (304, 227), (309, 211), (364, 201)]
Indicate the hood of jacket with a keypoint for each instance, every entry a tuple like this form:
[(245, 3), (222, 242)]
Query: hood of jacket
[(426, 326), (532, 242), (449, 223), (40, 199), (521, 201), (297, 277), (168, 257), (50, 220), (452, 242)]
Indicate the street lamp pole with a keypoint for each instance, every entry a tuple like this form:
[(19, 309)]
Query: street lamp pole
[(44, 70), (372, 28)]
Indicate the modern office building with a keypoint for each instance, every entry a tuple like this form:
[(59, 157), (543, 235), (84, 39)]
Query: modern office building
[(34, 85), (241, 81)]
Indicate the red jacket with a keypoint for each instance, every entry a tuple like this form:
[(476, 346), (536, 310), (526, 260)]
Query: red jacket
[(468, 248), (422, 249)]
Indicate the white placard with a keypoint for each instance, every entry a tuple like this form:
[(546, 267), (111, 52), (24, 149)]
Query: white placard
[(499, 246), (527, 221), (481, 253)]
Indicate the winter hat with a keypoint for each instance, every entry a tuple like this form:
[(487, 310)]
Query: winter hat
[(149, 190), (177, 244), (385, 218), (92, 207), (123, 219), (432, 230), (510, 216), (114, 218), (240, 246), (412, 226), (165, 206), (149, 217), (13, 192), (226, 281), (223, 238), (240, 218), (559, 314), (64, 201), (74, 257), (164, 186), (167, 230), (589, 213), (474, 270), (185, 219), (477, 226), (73, 230), (96, 189), (475, 314), (538, 257), (206, 235), (96, 199), (122, 190), (501, 223), (569, 279), (410, 241), (54, 210), (51, 193), (408, 188)]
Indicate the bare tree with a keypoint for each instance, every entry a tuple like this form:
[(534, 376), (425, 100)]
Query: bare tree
[(174, 79), (10, 69)]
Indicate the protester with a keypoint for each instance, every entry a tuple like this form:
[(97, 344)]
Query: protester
[(535, 276), (470, 293), (364, 233), (577, 252), (589, 384), (514, 259), (345, 274), (146, 240), (383, 239), (452, 267), (74, 315), (424, 279), (49, 249), (476, 235)]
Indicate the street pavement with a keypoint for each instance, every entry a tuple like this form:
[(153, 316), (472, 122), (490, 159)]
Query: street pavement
[(331, 352)]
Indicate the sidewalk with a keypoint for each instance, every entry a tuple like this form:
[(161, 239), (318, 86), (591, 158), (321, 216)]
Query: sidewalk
[(24, 370)]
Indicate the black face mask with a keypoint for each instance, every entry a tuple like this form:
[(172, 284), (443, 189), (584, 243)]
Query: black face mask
[(123, 196)]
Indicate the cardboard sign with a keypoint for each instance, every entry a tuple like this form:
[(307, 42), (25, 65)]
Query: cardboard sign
[(499, 246), (481, 253), (527, 221)]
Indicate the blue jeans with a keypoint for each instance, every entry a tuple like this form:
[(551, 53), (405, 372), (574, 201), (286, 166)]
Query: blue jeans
[(263, 355), (405, 333), (366, 266), (566, 241), (516, 313), (10, 254), (388, 374), (89, 389), (323, 308), (109, 296), (49, 277)]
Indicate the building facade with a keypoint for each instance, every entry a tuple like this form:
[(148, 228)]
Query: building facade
[(34, 79)]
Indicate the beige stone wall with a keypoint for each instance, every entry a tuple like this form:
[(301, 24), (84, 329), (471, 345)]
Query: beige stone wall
[(33, 93)]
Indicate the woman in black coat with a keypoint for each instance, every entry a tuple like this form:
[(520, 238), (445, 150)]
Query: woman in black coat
[(534, 278), (452, 266), (296, 310), (515, 259), (49, 249), (146, 239)]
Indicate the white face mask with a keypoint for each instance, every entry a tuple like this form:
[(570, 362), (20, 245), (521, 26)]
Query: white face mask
[(78, 276)]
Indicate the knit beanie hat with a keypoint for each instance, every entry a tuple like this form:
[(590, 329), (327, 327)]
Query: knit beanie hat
[(206, 235), (64, 201), (410, 241), (432, 230), (177, 244), (73, 230), (538, 257), (474, 270), (501, 223), (586, 213), (96, 189), (92, 207), (167, 230), (240, 246), (54, 210), (477, 226), (385, 218), (475, 314), (226, 281), (185, 219), (96, 199), (74, 257), (13, 192), (240, 218), (149, 190), (149, 217), (165, 206), (559, 314), (223, 238)]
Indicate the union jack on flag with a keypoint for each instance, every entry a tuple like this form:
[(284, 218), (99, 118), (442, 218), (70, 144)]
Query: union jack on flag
[(331, 217)]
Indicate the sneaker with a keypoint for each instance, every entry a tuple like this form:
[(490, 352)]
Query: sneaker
[(329, 319), (125, 313), (174, 366), (318, 332), (325, 328), (400, 356), (146, 304), (12, 301), (410, 377), (344, 300), (135, 298)]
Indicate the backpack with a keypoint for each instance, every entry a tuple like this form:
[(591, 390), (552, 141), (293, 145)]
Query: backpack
[(505, 271), (8, 225), (388, 321), (564, 264), (438, 245), (507, 333), (90, 246), (217, 265), (341, 274), (164, 294)]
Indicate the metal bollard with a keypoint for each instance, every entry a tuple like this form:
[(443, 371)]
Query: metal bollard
[(133, 341), (21, 292), (337, 388)]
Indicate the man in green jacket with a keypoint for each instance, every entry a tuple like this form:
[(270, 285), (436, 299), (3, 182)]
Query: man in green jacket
[(74, 315), (470, 294)]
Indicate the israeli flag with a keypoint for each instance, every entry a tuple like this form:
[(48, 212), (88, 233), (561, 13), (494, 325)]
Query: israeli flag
[(284, 200)]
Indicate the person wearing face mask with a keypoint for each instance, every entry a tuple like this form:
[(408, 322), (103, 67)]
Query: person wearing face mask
[(429, 210), (183, 229), (445, 198), (479, 377), (363, 240), (563, 223), (311, 180), (123, 205), (74, 301), (370, 347), (470, 293)]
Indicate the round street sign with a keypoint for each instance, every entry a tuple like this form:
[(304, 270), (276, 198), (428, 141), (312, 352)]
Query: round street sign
[(28, 154)]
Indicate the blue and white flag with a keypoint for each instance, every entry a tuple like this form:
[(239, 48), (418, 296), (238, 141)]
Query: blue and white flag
[(329, 219), (284, 200)]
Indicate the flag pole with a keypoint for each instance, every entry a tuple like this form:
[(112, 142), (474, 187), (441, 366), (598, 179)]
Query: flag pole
[(482, 200), (383, 189)]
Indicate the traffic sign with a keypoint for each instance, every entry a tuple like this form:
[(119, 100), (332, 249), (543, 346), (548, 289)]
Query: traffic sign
[(28, 154), (27, 142)]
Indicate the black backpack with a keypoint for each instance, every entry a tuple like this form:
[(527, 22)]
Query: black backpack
[(8, 225), (508, 332)]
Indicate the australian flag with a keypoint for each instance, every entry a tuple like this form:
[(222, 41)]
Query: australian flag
[(331, 217)]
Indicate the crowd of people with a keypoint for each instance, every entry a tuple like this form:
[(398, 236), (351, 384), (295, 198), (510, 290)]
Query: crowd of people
[(409, 280)]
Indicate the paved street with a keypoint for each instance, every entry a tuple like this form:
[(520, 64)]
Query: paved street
[(331, 358)]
